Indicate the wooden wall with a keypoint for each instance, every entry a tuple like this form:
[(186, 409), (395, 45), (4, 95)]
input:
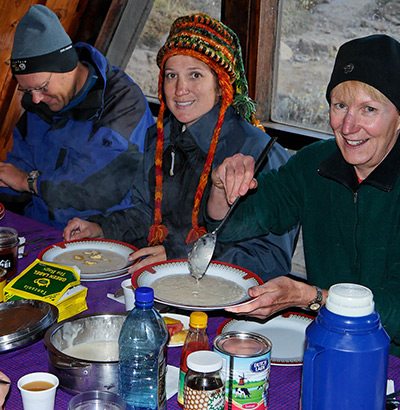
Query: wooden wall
[(74, 16)]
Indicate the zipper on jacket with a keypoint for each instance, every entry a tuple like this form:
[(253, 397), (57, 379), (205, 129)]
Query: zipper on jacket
[(355, 199), (171, 170)]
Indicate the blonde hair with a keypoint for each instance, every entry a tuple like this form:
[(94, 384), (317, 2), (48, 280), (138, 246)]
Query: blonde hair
[(350, 88)]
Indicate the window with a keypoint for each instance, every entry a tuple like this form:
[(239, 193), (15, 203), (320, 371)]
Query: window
[(311, 32), (142, 65)]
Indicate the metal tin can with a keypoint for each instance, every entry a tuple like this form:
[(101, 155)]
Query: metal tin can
[(246, 367)]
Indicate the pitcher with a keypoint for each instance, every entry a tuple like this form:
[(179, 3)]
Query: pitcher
[(347, 350)]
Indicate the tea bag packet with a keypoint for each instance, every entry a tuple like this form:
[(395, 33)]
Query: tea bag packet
[(55, 284)]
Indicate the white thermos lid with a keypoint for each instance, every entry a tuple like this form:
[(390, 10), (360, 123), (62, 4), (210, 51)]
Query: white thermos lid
[(350, 299)]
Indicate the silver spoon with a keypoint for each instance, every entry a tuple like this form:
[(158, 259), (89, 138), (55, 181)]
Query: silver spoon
[(203, 249)]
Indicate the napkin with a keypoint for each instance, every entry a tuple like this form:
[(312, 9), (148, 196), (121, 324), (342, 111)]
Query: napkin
[(21, 246), (119, 299), (390, 387), (172, 381)]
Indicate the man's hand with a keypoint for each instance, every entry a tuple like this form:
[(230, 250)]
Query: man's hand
[(13, 177), (147, 256), (79, 229)]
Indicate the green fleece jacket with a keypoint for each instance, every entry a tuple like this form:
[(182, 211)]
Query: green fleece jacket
[(351, 231)]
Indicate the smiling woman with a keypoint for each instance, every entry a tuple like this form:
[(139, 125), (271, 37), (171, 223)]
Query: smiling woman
[(190, 87), (347, 187), (365, 123), (205, 115)]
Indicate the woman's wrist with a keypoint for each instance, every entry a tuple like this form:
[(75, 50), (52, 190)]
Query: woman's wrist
[(217, 205)]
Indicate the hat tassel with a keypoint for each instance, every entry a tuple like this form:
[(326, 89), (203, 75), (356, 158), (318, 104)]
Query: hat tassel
[(157, 234)]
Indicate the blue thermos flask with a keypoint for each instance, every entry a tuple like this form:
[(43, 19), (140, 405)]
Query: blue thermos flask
[(347, 350)]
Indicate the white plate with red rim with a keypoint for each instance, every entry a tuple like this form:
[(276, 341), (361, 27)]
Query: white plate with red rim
[(286, 333), (242, 277), (114, 266), (185, 320)]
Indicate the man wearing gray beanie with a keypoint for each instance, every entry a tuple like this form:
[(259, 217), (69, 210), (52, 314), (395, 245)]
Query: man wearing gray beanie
[(77, 146)]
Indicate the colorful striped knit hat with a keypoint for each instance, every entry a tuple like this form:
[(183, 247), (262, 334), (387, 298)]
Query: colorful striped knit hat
[(210, 41)]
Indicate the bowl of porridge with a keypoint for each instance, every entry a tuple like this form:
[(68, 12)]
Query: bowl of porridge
[(223, 285)]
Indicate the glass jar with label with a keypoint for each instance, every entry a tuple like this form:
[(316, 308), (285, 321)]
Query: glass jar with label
[(9, 250), (204, 387), (3, 282)]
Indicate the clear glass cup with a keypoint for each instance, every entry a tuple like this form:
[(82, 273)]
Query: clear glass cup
[(96, 400)]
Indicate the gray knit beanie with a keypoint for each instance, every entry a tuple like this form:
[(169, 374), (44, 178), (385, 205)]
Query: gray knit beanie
[(41, 44)]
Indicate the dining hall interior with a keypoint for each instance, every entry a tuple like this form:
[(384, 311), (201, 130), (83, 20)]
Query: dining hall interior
[(288, 49)]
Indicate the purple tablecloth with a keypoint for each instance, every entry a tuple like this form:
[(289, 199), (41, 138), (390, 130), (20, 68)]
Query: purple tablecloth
[(284, 380)]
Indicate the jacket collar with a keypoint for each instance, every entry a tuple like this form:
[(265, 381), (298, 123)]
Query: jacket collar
[(203, 129), (383, 177)]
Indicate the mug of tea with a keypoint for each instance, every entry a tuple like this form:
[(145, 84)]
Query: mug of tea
[(129, 294), (38, 390)]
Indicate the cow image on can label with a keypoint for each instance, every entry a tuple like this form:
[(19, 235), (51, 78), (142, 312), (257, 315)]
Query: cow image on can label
[(246, 367)]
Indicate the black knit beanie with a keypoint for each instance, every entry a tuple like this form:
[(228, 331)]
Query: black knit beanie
[(374, 60), (41, 44)]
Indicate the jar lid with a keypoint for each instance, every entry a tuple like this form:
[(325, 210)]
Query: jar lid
[(204, 361), (8, 236), (198, 320), (350, 299)]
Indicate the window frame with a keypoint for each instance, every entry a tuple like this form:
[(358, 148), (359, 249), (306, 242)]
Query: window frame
[(257, 23)]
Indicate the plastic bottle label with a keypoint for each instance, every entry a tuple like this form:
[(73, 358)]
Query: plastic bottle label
[(204, 399), (162, 366), (181, 386)]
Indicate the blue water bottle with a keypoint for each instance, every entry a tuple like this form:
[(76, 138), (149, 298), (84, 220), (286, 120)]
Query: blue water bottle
[(142, 355), (347, 349)]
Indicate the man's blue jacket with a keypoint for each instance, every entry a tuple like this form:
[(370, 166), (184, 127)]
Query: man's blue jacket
[(87, 153)]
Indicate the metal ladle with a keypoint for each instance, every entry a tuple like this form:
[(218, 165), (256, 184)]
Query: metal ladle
[(203, 249)]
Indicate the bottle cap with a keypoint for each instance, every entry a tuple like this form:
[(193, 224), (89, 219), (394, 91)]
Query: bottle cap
[(144, 296), (198, 320), (204, 361), (350, 299)]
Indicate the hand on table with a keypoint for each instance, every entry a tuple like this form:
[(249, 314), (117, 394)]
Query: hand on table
[(79, 229), (233, 178), (151, 254), (275, 295), (4, 388), (13, 177)]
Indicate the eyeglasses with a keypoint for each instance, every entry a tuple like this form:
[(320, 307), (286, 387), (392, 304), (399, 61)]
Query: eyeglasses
[(41, 89)]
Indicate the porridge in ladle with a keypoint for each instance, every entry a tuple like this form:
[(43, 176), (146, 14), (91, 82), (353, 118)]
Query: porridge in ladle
[(209, 291)]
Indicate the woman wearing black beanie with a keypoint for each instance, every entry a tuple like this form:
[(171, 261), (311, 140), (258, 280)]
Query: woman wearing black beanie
[(345, 192)]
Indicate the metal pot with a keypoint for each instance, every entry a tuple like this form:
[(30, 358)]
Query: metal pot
[(78, 373)]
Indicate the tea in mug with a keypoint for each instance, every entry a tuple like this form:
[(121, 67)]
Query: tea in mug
[(38, 386)]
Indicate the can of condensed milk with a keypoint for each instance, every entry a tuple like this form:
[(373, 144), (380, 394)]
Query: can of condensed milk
[(246, 367)]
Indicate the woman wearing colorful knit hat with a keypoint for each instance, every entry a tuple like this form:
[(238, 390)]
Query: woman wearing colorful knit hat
[(205, 116)]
